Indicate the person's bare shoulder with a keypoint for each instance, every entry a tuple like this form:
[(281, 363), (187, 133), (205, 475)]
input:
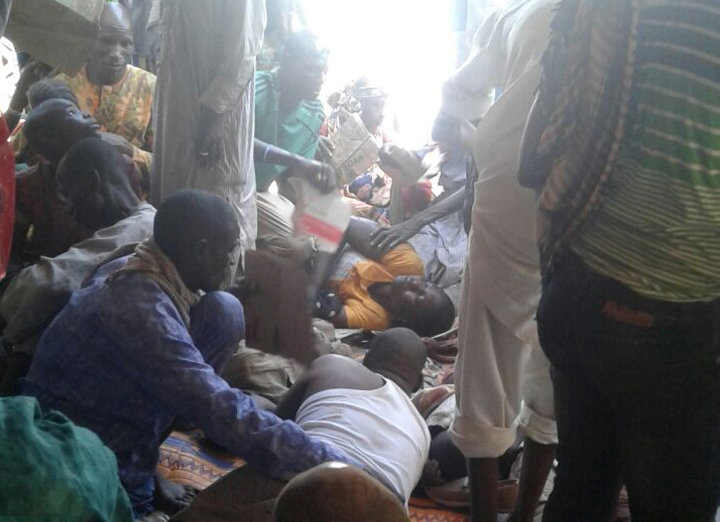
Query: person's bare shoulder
[(337, 371)]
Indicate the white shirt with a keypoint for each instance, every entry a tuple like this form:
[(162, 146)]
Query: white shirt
[(379, 428), (503, 248)]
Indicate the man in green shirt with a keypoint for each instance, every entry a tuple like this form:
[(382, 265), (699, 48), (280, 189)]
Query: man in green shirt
[(288, 116)]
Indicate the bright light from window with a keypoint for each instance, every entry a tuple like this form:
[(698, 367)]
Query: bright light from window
[(405, 45)]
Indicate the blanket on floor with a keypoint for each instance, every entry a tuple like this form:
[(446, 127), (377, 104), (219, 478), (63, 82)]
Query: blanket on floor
[(186, 458)]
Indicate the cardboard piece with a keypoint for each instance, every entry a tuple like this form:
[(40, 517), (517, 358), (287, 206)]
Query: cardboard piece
[(355, 149), (277, 317), (323, 216), (60, 33)]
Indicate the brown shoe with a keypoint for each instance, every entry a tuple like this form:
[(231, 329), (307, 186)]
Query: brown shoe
[(457, 494)]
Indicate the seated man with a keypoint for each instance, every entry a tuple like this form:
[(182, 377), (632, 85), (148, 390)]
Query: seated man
[(51, 129), (118, 95), (54, 470), (138, 347), (91, 169), (365, 409), (385, 290)]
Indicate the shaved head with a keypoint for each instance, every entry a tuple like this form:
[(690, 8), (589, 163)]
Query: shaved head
[(332, 492), (398, 354), (200, 234), (113, 48), (115, 17)]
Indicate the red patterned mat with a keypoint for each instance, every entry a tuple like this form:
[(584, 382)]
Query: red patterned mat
[(184, 459)]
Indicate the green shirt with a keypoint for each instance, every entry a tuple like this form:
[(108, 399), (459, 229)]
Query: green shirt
[(298, 133), (658, 231)]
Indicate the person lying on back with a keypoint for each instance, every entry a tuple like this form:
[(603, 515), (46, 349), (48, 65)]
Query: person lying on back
[(384, 290)]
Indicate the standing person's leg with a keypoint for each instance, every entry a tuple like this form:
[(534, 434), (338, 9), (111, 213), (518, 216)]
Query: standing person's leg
[(588, 474), (667, 394), (217, 325), (537, 420), (488, 374)]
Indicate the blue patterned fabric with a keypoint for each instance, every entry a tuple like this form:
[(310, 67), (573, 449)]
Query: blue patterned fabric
[(119, 360)]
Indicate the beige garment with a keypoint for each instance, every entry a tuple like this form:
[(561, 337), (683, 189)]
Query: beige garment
[(272, 375), (265, 374), (156, 266), (275, 222), (498, 343), (208, 64)]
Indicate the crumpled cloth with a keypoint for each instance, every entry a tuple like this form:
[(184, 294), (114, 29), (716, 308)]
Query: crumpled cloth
[(156, 266), (54, 470)]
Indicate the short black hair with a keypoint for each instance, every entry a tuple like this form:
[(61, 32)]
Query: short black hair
[(188, 216), (94, 153), (398, 351), (302, 45), (50, 89)]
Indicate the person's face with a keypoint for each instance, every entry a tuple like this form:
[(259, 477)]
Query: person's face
[(306, 77), (64, 125), (412, 296), (111, 54), (373, 112), (75, 124), (220, 260)]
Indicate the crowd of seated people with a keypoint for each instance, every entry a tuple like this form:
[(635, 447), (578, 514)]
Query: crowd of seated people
[(122, 322)]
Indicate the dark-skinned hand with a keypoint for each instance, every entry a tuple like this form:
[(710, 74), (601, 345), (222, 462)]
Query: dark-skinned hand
[(325, 151), (440, 352), (321, 175), (385, 239), (207, 141)]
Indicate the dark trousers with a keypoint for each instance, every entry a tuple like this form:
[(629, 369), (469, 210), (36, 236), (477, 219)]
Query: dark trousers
[(637, 391)]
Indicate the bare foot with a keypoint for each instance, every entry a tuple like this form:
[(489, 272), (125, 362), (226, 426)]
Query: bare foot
[(171, 497)]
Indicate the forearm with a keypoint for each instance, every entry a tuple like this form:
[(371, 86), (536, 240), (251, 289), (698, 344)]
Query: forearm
[(267, 153), (359, 234), (279, 447), (452, 203)]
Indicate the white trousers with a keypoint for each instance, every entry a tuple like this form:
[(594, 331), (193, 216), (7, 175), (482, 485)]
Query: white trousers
[(501, 383)]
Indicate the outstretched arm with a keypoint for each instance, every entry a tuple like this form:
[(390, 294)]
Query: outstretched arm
[(359, 235), (385, 239), (319, 174), (187, 385), (290, 403)]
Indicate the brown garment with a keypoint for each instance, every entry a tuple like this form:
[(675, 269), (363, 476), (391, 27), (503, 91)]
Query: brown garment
[(242, 495)]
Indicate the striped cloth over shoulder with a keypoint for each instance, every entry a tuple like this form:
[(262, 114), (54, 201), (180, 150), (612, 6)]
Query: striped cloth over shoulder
[(634, 173)]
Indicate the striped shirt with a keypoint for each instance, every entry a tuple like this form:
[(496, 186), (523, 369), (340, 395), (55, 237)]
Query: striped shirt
[(658, 230)]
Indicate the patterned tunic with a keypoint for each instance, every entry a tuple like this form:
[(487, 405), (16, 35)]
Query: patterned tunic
[(124, 109)]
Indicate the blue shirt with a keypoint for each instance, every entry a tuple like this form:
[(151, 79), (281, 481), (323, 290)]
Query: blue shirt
[(119, 360)]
